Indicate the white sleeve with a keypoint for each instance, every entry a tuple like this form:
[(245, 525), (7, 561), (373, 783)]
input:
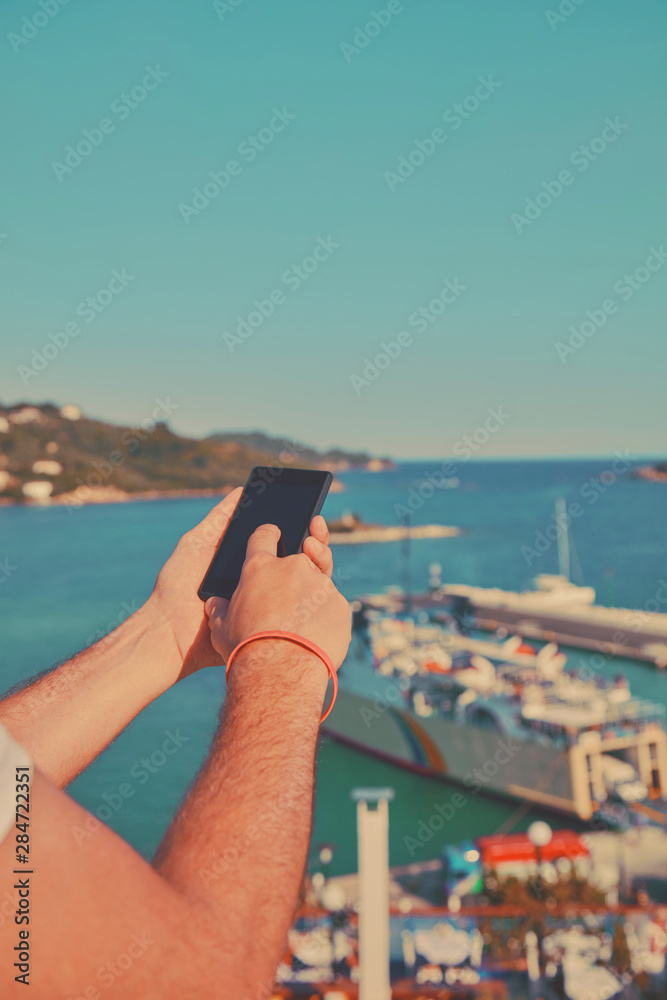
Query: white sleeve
[(12, 755)]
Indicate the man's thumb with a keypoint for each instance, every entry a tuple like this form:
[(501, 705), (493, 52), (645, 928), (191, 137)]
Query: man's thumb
[(215, 607)]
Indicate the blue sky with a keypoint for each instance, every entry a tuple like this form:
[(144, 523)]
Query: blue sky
[(219, 76)]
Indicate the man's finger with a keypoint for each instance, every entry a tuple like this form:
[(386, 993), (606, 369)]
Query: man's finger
[(263, 539), (216, 609), (319, 529), (319, 554)]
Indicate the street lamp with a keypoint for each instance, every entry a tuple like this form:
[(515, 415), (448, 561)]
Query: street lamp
[(325, 853), (373, 849), (539, 834)]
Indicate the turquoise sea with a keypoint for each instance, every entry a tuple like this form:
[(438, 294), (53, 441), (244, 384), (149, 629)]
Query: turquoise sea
[(75, 573)]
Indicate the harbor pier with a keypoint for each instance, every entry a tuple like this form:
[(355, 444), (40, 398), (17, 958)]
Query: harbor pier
[(636, 634)]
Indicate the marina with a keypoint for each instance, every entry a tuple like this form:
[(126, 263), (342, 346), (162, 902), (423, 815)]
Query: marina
[(555, 610), (562, 613), (504, 717)]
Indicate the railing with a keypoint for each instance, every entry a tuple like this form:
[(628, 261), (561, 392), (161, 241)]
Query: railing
[(636, 714), (631, 717)]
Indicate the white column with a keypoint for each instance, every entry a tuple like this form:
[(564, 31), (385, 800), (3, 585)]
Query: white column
[(373, 848)]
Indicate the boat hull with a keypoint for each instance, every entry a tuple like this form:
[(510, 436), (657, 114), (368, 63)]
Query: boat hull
[(479, 759)]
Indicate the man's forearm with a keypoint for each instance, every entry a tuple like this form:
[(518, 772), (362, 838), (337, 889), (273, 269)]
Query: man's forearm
[(66, 718), (240, 841)]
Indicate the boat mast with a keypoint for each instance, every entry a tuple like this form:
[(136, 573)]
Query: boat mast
[(563, 538), (405, 558)]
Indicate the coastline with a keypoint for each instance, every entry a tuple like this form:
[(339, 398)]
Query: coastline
[(99, 495)]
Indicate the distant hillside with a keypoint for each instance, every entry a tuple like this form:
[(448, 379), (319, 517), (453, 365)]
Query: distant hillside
[(52, 453), (333, 458)]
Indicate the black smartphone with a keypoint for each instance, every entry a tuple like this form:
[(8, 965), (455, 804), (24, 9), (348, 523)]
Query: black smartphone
[(289, 498)]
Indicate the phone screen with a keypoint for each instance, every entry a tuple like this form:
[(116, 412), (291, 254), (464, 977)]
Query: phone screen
[(289, 498)]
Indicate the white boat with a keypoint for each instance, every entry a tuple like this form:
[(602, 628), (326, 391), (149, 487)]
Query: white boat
[(509, 720)]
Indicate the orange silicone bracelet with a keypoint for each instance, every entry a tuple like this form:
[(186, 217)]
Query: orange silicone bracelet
[(300, 641)]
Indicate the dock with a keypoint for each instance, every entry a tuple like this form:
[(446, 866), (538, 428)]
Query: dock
[(391, 533), (635, 634)]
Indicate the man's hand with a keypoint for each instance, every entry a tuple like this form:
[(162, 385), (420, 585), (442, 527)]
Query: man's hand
[(174, 605), (292, 594), (65, 718)]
